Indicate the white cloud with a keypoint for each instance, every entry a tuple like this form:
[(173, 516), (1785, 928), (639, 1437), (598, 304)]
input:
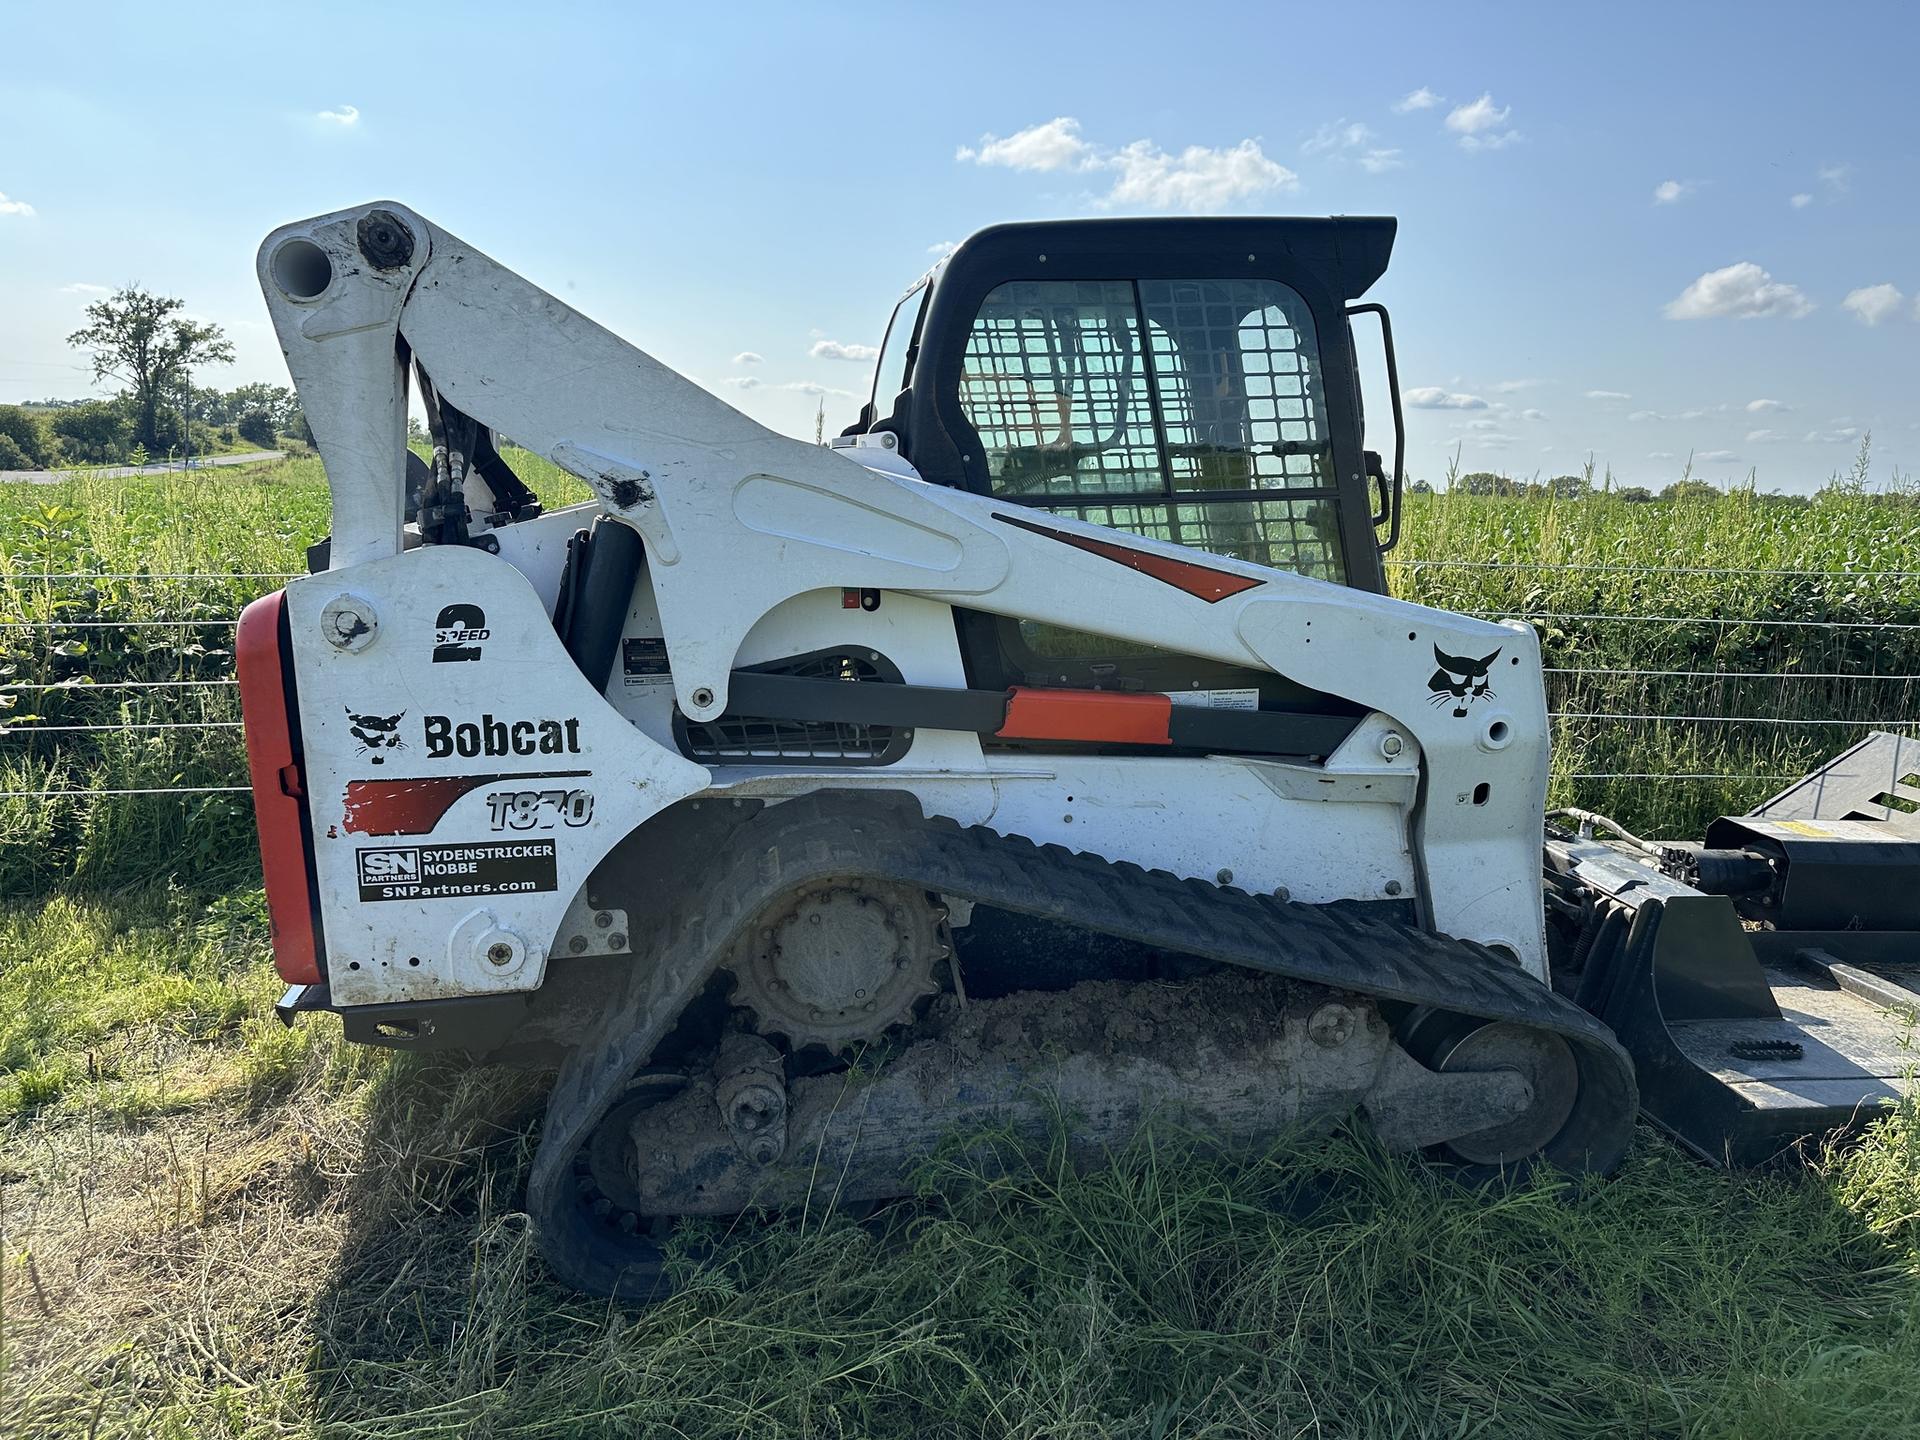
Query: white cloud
[(1337, 136), (1432, 397), (943, 248), (1835, 177), (1493, 441), (1533, 414), (1764, 437), (1196, 179), (1743, 290), (1873, 303), (1642, 415), (1483, 425), (1838, 434), (1661, 455), (1800, 201), (345, 116), (14, 207), (1669, 191), (1479, 124), (834, 350), (80, 287), (1342, 139), (749, 357), (1507, 387), (1054, 145), (808, 387), (1421, 99), (1767, 407), (743, 382), (1608, 395), (1716, 457)]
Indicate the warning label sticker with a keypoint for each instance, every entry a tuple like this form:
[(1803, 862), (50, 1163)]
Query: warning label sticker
[(1248, 699), (434, 872)]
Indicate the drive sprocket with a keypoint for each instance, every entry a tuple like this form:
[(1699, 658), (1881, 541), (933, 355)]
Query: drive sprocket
[(841, 963)]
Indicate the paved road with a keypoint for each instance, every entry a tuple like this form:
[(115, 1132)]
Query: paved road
[(161, 467)]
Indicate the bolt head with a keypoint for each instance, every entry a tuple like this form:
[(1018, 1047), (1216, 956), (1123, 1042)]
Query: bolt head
[(578, 945), (616, 941), (1391, 744), (1331, 1025), (603, 919), (500, 953)]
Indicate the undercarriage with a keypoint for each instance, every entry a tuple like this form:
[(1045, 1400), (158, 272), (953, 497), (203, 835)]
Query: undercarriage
[(1238, 1019)]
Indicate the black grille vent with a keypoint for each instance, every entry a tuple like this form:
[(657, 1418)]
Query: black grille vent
[(761, 740)]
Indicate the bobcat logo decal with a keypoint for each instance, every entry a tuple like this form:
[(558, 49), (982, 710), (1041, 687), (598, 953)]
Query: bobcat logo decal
[(1461, 681), (376, 733)]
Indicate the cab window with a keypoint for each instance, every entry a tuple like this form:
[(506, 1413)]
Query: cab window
[(1187, 410), (894, 370)]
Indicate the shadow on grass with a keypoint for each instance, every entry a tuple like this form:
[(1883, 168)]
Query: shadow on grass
[(1323, 1289)]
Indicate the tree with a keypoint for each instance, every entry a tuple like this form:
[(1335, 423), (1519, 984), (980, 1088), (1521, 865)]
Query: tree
[(1569, 487), (95, 433), (30, 437), (1634, 494), (138, 339), (1485, 482), (1690, 490), (257, 426), (213, 407), (262, 413)]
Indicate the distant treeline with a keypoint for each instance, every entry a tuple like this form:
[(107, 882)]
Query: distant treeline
[(44, 434)]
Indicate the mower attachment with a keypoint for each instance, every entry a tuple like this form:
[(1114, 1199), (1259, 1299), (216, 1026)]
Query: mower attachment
[(1766, 983)]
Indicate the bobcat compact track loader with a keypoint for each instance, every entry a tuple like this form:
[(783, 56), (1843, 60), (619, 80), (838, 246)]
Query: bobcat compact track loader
[(1047, 743)]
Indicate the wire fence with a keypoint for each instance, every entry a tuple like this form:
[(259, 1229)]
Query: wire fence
[(70, 675)]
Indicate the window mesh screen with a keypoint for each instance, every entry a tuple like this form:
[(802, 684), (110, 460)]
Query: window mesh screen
[(1054, 382), (1235, 362), (1055, 379)]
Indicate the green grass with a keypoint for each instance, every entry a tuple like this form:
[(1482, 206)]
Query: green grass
[(325, 1242), (217, 1226)]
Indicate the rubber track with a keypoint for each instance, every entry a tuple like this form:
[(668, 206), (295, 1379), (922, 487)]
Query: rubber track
[(827, 836)]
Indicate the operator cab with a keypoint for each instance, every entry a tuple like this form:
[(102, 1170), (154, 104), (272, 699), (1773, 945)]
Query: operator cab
[(1194, 381)]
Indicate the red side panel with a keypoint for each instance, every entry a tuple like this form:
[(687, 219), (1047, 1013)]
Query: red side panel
[(1086, 715), (1209, 584), (274, 770)]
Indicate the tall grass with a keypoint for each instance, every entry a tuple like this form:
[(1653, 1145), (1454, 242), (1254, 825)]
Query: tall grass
[(1672, 566), (165, 564)]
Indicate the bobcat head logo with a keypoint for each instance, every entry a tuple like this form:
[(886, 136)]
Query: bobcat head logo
[(1461, 681), (376, 733)]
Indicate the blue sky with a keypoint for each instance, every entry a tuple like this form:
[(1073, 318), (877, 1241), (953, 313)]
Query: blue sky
[(1648, 231)]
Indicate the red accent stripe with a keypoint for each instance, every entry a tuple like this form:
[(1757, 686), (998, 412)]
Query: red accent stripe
[(414, 806), (273, 769), (1202, 580), (1087, 715)]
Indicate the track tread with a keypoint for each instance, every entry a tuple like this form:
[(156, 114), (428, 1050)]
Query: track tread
[(827, 835)]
